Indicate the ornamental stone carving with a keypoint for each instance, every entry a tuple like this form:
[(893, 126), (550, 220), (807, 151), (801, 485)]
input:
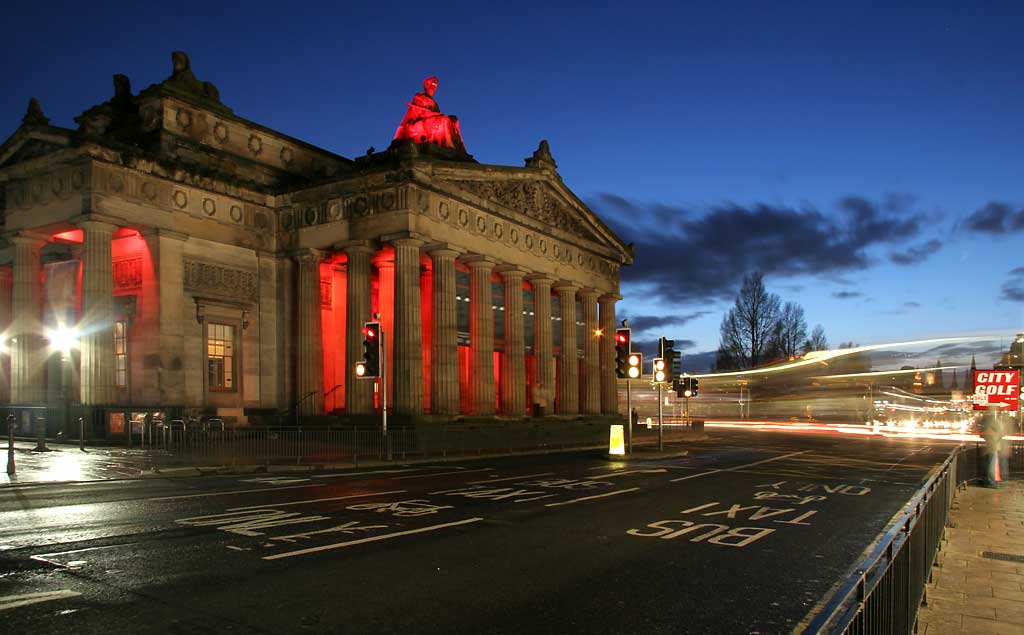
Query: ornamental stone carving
[(219, 281), (532, 199), (127, 274)]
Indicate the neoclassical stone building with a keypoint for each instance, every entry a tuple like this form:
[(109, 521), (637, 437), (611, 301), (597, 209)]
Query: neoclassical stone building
[(201, 262)]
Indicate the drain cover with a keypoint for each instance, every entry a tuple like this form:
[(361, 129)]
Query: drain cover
[(995, 555)]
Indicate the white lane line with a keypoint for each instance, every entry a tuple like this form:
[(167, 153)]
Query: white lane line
[(588, 498), (350, 543), (511, 478), (483, 469), (228, 493), (739, 467), (364, 473), (14, 601), (659, 470), (316, 500)]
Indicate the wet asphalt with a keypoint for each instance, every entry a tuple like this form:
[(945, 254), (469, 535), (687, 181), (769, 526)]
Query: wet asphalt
[(744, 534)]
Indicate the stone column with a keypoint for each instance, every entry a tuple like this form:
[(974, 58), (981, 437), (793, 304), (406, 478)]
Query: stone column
[(444, 371), (544, 379), (481, 335), (97, 339), (569, 378), (513, 367), (385, 263), (591, 354), (408, 329), (358, 392), (609, 385), (309, 363), (26, 345)]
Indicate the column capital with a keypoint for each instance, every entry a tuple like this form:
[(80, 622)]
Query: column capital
[(307, 255), (403, 238), (511, 271), (540, 279), (609, 297), (98, 218), (443, 249), (476, 261), (355, 246), (27, 238), (563, 286), (589, 292)]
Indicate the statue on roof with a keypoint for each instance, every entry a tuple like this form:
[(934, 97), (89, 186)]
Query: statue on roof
[(183, 79), (34, 115), (424, 123)]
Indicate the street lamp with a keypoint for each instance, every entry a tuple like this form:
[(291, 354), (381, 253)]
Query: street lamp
[(62, 340)]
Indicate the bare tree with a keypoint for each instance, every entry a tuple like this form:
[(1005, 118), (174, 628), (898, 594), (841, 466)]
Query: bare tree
[(746, 330), (817, 341), (790, 331)]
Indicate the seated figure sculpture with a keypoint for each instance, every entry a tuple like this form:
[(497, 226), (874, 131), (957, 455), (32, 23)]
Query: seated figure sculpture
[(424, 123)]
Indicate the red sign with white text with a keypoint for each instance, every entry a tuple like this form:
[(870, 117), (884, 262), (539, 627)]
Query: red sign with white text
[(999, 388)]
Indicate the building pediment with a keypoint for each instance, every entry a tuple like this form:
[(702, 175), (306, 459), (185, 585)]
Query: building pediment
[(540, 197), (25, 145)]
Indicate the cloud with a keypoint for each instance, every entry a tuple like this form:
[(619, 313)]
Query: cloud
[(995, 218), (910, 304), (916, 254), (648, 322), (846, 295), (1013, 289), (683, 256)]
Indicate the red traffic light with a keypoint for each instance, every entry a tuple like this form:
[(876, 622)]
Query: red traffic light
[(621, 338), (369, 332)]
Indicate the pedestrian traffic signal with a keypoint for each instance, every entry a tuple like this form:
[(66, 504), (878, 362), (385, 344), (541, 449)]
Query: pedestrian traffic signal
[(685, 387), (667, 351), (693, 386), (622, 338), (659, 370), (369, 366), (635, 363)]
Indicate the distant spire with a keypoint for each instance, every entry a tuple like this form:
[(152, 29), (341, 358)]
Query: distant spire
[(969, 379), (954, 385)]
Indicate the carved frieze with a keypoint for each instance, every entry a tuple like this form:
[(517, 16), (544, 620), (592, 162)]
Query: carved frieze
[(325, 292), (127, 273), (532, 199), (220, 281)]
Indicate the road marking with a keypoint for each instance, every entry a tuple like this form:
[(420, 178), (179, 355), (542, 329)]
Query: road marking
[(587, 498), (14, 601), (45, 557), (739, 467), (350, 543), (483, 469), (237, 491), (511, 478), (317, 500), (364, 473), (611, 474)]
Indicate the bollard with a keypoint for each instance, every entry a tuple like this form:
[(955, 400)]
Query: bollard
[(40, 435), (81, 434), (10, 445)]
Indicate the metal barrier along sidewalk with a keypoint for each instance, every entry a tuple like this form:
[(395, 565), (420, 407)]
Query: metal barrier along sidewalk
[(884, 593)]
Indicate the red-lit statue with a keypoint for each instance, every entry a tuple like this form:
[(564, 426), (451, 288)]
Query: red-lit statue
[(424, 123)]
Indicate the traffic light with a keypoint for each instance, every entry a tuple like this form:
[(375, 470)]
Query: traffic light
[(667, 351), (369, 366), (622, 337), (659, 370), (693, 386), (685, 387), (635, 363)]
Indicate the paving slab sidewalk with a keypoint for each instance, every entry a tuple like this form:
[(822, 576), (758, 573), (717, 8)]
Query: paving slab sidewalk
[(978, 585)]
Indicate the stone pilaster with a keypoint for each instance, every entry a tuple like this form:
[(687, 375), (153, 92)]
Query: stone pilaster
[(408, 329), (513, 368), (166, 377), (97, 339), (481, 334), (591, 354), (26, 343), (609, 385), (309, 365), (569, 378), (6, 284), (358, 392), (544, 380), (444, 371)]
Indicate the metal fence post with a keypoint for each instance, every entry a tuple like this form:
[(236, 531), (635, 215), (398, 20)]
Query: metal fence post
[(11, 468)]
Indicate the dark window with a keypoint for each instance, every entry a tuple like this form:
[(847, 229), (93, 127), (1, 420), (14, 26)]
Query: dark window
[(121, 354)]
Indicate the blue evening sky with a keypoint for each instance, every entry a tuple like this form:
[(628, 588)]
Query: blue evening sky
[(866, 157)]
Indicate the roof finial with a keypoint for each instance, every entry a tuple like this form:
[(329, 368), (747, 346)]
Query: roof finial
[(34, 116), (542, 157)]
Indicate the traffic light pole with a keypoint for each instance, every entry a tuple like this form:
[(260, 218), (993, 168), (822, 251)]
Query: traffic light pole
[(384, 391), (661, 436), (629, 419)]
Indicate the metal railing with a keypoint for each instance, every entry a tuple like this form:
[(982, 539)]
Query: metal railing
[(889, 585)]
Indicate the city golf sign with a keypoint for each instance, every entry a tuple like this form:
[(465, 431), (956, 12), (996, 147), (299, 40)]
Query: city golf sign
[(997, 388)]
